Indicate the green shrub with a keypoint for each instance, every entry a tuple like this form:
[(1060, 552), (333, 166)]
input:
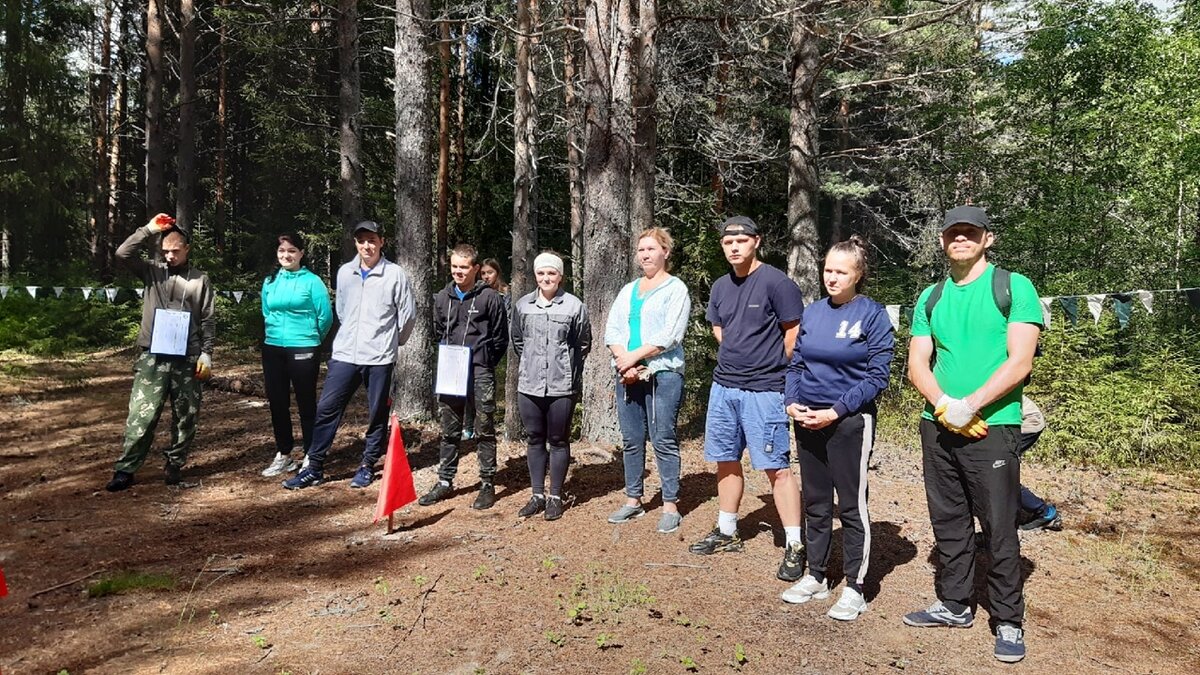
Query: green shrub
[(49, 326), (122, 582)]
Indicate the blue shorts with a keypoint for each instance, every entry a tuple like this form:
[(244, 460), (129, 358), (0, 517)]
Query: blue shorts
[(753, 420)]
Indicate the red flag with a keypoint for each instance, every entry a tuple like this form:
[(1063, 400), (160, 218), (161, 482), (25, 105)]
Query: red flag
[(3, 586), (396, 489)]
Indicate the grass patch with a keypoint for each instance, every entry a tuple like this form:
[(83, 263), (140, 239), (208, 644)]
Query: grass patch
[(123, 582), (1139, 561)]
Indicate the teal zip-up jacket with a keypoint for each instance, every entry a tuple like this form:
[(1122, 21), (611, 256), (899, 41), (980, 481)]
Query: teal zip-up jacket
[(296, 309)]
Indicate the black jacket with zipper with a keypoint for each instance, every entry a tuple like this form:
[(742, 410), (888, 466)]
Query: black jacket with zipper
[(479, 321)]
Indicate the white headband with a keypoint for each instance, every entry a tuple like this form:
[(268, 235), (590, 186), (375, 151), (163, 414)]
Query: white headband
[(548, 260)]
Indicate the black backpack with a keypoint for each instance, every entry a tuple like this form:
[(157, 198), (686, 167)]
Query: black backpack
[(1001, 293)]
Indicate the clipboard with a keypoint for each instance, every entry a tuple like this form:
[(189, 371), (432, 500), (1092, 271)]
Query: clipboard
[(453, 370), (170, 335)]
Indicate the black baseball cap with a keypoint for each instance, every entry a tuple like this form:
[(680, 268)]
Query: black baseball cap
[(969, 215), (739, 225), (367, 226)]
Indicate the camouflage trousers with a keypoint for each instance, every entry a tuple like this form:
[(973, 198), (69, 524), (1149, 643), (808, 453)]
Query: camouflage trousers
[(155, 380)]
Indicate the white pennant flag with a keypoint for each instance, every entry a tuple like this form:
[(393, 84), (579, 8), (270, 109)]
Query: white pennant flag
[(58, 291), (87, 293), (140, 291), (1046, 312), (111, 293), (237, 296), (1095, 303), (893, 312), (1147, 299), (32, 290), (3, 292)]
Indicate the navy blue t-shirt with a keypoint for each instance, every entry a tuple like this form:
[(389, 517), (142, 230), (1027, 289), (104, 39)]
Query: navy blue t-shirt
[(749, 310), (843, 356)]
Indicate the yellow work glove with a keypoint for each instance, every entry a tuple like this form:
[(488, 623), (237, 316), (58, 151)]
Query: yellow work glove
[(204, 367), (960, 418)]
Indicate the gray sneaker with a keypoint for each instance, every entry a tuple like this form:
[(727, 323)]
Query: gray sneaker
[(626, 513), (849, 606), (808, 588), (669, 522), (281, 464), (1010, 643), (939, 615)]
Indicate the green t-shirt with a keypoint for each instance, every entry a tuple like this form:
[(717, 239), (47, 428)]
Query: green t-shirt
[(970, 339)]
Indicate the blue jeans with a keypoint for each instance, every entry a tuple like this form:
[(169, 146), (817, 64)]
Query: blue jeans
[(341, 381), (652, 406)]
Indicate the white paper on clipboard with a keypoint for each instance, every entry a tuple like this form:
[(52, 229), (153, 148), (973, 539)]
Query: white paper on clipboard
[(453, 370), (170, 334)]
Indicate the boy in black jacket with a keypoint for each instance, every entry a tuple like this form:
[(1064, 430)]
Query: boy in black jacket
[(470, 313)]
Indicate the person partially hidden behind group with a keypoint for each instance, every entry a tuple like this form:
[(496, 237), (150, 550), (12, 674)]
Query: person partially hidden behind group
[(644, 332), (176, 341), (296, 317), (840, 365), (551, 336), (375, 306)]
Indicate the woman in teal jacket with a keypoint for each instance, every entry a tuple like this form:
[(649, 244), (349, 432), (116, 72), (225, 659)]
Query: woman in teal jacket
[(297, 316)]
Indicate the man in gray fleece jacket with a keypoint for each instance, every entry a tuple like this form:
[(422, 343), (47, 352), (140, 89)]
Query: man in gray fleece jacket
[(374, 304)]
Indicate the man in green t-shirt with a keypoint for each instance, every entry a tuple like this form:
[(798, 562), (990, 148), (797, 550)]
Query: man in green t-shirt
[(969, 358)]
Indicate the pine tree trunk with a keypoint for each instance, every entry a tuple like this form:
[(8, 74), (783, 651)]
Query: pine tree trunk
[(443, 170), (14, 119), (219, 206), (575, 193), (101, 89), (525, 194), (608, 37), (350, 181), (641, 203), (185, 195), (156, 187), (804, 242), (414, 205), (721, 108), (460, 136)]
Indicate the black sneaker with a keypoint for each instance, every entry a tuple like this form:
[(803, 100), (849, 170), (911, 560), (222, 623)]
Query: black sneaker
[(486, 497), (172, 475), (792, 567), (121, 480), (716, 542), (536, 505), (306, 478), (1048, 519), (554, 508), (437, 493)]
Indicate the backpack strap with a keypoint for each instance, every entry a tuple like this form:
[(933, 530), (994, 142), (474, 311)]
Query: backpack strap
[(1002, 290), (934, 296)]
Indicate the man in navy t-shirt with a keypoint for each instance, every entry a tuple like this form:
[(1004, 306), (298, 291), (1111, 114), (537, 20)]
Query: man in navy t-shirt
[(755, 313)]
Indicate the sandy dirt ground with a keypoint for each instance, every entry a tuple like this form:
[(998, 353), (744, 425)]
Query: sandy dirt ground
[(263, 580)]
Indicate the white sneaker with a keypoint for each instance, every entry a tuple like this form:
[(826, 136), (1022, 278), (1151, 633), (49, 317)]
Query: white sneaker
[(806, 589), (849, 606), (282, 464)]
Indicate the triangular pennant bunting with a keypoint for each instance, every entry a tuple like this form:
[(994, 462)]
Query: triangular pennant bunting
[(3, 292), (32, 290), (907, 313), (1147, 299), (111, 293), (237, 296), (893, 312), (58, 291), (140, 291), (1070, 307), (1095, 303), (87, 293), (1193, 298), (1046, 312), (1123, 306)]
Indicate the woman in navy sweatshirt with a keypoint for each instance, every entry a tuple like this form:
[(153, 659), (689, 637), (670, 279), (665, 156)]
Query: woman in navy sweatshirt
[(839, 367)]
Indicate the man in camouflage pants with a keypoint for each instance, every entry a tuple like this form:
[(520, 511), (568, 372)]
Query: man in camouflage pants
[(173, 289)]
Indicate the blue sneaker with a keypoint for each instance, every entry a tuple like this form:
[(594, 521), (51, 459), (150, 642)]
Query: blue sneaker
[(363, 477), (1010, 643), (939, 615), (1048, 519), (306, 478)]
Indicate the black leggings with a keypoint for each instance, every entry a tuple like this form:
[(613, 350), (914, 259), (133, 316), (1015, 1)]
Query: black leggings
[(285, 369), (547, 421)]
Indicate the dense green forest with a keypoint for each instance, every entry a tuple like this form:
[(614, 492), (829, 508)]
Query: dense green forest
[(571, 125)]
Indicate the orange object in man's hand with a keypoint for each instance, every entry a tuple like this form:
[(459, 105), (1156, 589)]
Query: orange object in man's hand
[(162, 222)]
